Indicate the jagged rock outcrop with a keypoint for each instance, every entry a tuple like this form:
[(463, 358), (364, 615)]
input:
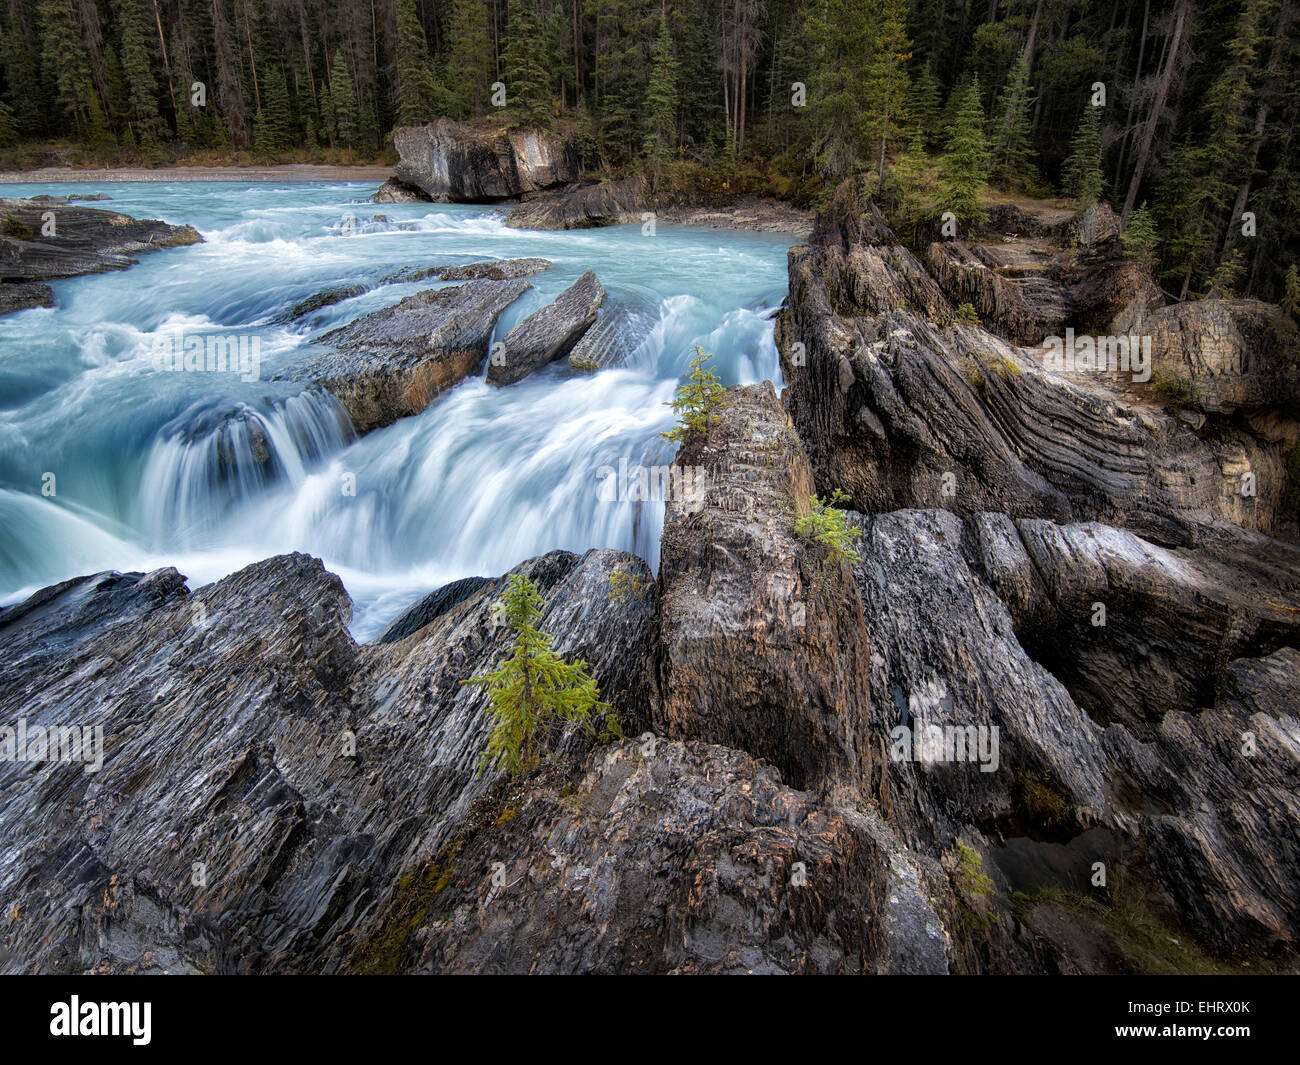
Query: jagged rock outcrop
[(495, 270), (394, 191), (394, 362), (326, 297), (453, 161), (82, 240), (900, 410), (266, 783), (610, 203), (427, 609), (762, 640), (1224, 356), (549, 333), (1029, 286)]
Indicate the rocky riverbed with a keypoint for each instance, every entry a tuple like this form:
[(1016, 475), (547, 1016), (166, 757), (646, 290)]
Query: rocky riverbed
[(276, 797)]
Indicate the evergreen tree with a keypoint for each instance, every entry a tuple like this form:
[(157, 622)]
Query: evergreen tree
[(272, 129), (469, 71), (524, 66), (697, 401), (965, 163), (888, 86), (661, 102), (534, 688), (343, 103), (842, 36), (415, 85), (1012, 150), (924, 105), (138, 47), (1081, 174), (65, 62), (1140, 236), (8, 127)]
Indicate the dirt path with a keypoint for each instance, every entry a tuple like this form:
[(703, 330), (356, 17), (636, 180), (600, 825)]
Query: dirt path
[(293, 172)]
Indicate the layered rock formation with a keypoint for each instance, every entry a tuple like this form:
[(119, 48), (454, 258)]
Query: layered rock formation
[(549, 333), (452, 161), (394, 362), (46, 238)]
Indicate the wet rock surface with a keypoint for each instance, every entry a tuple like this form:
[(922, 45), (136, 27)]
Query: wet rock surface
[(47, 238), (547, 334), (394, 362)]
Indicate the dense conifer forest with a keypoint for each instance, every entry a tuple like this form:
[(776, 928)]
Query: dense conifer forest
[(1180, 113)]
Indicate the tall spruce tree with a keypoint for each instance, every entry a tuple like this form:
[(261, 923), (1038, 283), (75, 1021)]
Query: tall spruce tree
[(415, 85), (965, 163), (1012, 143), (661, 102), (343, 102), (139, 45), (1081, 174), (523, 64), (470, 68)]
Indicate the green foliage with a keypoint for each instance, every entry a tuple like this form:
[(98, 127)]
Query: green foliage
[(523, 63), (974, 887), (696, 401), (966, 313), (415, 85), (469, 67), (343, 100), (1081, 174), (271, 127), (1140, 236), (1012, 146), (139, 44), (924, 105), (622, 585), (965, 163), (661, 102), (828, 526), (1227, 277), (1291, 291), (534, 688)]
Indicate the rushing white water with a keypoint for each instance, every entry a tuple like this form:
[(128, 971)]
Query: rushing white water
[(106, 462)]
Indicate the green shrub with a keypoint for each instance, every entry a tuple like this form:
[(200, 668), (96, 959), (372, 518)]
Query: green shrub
[(696, 401), (827, 526), (534, 687), (966, 313)]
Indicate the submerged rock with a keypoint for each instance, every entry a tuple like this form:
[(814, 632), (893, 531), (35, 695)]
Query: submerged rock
[(620, 329), (394, 191), (549, 333), (394, 362)]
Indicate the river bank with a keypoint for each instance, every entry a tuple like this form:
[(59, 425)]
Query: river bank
[(295, 172)]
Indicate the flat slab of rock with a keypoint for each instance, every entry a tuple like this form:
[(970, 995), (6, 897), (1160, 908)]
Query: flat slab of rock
[(393, 363), (550, 333), (20, 295), (82, 240), (325, 298), (497, 270)]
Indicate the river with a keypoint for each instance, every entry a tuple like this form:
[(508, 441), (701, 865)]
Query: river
[(108, 463)]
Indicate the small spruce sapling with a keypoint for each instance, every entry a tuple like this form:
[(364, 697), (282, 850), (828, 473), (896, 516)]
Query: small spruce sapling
[(696, 401), (534, 687)]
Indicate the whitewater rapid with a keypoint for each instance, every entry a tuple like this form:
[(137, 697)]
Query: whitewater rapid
[(108, 463)]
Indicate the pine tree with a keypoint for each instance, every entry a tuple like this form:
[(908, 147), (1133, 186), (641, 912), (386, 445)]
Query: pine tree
[(343, 103), (924, 105), (661, 102), (272, 126), (469, 70), (910, 188), (524, 66), (1012, 150), (1081, 174), (888, 86), (696, 401), (415, 86), (64, 60), (8, 127), (1140, 236), (534, 688), (138, 46), (842, 35), (965, 162)]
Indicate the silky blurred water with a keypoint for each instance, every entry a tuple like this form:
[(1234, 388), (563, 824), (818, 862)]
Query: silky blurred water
[(106, 462)]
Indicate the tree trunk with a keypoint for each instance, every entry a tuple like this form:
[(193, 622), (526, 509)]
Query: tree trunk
[(1157, 106)]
